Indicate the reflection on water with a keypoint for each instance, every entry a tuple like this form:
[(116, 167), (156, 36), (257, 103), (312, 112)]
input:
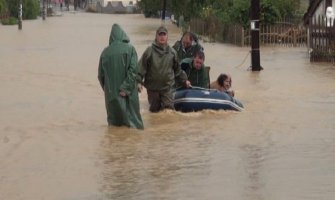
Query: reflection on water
[(55, 145), (252, 155)]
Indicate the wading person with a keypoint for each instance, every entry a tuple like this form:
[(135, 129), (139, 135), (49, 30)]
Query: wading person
[(195, 70), (187, 46), (158, 69), (117, 76)]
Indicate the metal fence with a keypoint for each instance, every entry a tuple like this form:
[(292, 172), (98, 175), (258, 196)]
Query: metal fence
[(321, 39)]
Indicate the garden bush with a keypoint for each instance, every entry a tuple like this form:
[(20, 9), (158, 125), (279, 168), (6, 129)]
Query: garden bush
[(9, 21), (3, 7), (31, 8)]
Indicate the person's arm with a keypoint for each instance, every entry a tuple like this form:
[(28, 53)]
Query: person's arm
[(143, 65), (101, 74), (180, 74), (176, 46)]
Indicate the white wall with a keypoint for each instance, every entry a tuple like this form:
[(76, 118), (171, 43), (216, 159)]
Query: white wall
[(321, 9), (125, 2)]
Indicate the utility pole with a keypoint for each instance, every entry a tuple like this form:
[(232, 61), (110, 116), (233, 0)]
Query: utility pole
[(20, 15), (43, 10), (254, 26), (164, 10)]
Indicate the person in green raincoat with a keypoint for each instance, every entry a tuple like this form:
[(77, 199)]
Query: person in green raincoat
[(117, 76), (158, 69)]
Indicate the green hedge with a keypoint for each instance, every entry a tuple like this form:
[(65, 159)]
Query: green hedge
[(9, 21), (31, 8), (3, 7)]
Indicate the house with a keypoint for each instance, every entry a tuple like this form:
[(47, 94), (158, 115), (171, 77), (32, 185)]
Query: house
[(116, 7), (317, 8), (319, 20)]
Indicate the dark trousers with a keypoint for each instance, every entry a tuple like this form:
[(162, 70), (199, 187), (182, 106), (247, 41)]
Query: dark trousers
[(159, 100)]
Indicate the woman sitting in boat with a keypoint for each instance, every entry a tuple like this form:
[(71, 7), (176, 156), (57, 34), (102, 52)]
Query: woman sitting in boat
[(223, 84), (218, 97), (195, 70)]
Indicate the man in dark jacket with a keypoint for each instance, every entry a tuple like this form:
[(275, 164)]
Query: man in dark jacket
[(187, 46), (117, 76), (195, 70), (159, 67)]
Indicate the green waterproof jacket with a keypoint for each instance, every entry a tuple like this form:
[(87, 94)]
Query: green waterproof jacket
[(186, 53), (159, 67), (198, 78), (117, 72)]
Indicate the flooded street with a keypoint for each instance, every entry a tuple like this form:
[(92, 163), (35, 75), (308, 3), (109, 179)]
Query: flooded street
[(55, 143)]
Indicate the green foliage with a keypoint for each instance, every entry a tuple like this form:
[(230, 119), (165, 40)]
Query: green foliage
[(150, 8), (240, 12), (13, 7), (233, 11), (9, 21), (269, 13), (186, 8), (31, 8), (3, 7)]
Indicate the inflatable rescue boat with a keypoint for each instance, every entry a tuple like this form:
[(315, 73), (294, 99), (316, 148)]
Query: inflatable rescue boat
[(196, 99)]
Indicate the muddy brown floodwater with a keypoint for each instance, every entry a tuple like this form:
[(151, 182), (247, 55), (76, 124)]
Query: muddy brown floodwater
[(55, 143)]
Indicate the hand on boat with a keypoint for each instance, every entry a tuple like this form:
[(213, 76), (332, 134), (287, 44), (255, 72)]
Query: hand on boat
[(231, 93), (188, 84)]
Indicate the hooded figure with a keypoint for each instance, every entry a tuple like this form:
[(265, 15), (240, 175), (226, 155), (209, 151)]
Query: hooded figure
[(117, 76)]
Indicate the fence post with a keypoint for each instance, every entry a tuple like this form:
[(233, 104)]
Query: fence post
[(294, 38), (43, 10)]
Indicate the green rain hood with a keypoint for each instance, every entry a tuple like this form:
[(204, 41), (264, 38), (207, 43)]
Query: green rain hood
[(117, 72)]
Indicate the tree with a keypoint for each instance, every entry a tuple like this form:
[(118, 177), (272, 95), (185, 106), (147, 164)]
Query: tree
[(187, 8), (227, 11), (150, 8), (3, 7), (30, 8)]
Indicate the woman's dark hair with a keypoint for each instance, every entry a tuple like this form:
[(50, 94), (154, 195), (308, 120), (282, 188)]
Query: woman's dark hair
[(222, 78)]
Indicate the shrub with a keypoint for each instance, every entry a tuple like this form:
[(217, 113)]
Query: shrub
[(31, 8), (3, 7), (9, 21)]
